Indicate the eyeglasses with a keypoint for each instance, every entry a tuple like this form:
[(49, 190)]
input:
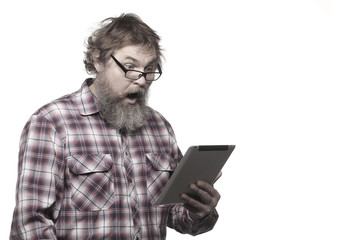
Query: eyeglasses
[(135, 75)]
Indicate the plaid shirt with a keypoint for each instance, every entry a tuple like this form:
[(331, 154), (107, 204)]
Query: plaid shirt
[(80, 179)]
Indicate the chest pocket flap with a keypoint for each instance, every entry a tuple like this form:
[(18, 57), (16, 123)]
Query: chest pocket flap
[(90, 163), (161, 162)]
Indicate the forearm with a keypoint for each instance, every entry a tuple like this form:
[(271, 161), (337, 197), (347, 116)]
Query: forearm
[(37, 206), (32, 224)]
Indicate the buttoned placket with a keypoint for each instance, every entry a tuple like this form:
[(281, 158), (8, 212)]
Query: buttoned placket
[(134, 204)]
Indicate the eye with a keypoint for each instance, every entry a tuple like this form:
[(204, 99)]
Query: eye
[(129, 66), (150, 69)]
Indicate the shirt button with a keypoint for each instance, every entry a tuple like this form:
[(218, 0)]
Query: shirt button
[(134, 209)]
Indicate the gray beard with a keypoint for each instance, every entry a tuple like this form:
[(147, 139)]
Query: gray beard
[(119, 115)]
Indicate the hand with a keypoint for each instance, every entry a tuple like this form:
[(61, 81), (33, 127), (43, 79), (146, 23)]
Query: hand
[(204, 199)]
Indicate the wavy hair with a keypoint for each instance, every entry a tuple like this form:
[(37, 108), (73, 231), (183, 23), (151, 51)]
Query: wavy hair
[(115, 33)]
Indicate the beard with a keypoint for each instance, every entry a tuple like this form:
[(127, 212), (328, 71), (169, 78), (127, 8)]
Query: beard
[(117, 113)]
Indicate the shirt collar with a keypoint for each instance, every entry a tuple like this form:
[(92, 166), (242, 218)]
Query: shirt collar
[(85, 100)]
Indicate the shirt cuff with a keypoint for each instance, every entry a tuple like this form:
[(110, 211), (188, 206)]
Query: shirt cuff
[(204, 224)]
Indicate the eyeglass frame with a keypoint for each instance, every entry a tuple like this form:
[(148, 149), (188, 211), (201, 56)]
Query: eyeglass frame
[(143, 74)]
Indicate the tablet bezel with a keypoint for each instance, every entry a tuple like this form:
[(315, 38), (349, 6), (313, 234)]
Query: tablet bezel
[(202, 162)]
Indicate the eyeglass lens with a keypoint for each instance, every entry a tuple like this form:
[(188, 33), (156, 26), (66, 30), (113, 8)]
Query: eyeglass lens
[(135, 75)]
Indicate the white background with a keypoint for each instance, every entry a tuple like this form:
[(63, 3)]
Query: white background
[(280, 79)]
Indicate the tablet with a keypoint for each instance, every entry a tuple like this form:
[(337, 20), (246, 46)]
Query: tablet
[(199, 163)]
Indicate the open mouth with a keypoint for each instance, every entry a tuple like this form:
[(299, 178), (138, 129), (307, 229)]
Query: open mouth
[(132, 95)]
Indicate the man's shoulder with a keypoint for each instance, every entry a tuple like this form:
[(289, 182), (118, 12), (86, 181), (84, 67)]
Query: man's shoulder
[(59, 106), (158, 121), (155, 115)]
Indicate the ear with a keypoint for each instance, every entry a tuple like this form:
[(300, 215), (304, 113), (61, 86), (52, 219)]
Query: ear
[(97, 63)]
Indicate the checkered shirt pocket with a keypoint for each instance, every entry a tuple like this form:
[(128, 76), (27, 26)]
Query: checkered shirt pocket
[(159, 169), (91, 181)]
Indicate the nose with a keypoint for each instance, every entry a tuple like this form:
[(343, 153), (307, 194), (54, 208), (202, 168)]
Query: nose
[(141, 81)]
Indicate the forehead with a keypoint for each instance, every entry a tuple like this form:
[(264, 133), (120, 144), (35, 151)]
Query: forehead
[(138, 53)]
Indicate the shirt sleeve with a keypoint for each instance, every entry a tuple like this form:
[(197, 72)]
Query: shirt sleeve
[(39, 182), (180, 220)]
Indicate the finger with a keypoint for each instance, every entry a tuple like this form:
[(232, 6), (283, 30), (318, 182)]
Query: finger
[(204, 196), (195, 213), (192, 204), (195, 207), (209, 189)]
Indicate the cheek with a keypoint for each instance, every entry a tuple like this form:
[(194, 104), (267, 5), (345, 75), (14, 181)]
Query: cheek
[(117, 84)]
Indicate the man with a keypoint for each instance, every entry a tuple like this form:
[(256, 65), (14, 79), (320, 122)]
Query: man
[(92, 163)]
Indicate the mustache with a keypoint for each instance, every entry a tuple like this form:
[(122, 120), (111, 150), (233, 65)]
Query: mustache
[(137, 92)]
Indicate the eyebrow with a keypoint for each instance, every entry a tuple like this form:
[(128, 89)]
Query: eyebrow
[(136, 61), (131, 58)]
